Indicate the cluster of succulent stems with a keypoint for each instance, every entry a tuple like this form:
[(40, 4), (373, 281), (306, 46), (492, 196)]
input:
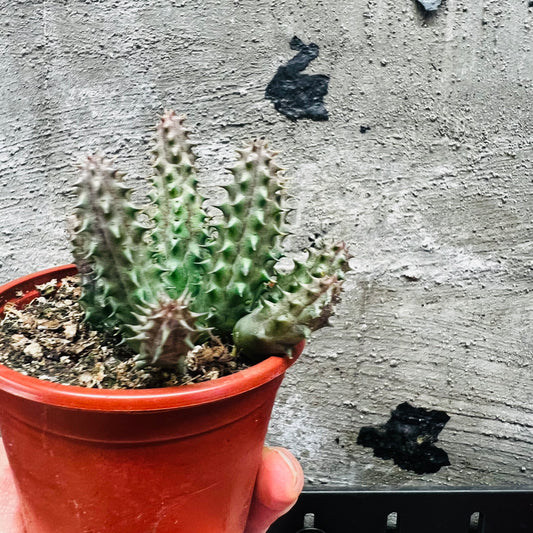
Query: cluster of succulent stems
[(167, 277)]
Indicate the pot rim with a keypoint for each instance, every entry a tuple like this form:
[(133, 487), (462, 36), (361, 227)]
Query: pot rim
[(75, 397)]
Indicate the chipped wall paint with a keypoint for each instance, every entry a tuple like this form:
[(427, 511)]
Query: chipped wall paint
[(430, 5), (424, 167)]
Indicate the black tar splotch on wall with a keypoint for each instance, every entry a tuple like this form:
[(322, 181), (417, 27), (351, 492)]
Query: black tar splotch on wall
[(298, 95), (408, 439)]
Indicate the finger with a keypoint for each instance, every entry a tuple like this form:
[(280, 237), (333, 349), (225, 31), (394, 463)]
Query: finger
[(279, 483), (10, 518)]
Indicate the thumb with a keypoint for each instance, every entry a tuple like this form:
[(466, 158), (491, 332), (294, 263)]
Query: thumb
[(279, 482)]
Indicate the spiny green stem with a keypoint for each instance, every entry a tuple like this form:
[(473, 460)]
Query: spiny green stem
[(178, 217), (109, 237), (248, 239), (302, 302), (166, 331)]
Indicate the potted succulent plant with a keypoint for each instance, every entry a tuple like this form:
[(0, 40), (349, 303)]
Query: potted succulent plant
[(175, 285)]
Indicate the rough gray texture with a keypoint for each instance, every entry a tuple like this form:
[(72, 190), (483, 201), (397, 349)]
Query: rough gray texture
[(435, 199)]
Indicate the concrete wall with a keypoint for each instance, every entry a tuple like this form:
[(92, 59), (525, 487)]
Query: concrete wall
[(435, 199)]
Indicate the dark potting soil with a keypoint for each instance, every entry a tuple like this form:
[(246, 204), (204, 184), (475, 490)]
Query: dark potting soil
[(49, 340)]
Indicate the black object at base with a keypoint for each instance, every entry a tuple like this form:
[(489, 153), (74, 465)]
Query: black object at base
[(410, 511)]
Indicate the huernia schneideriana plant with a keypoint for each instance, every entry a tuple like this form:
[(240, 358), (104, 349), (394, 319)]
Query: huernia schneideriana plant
[(168, 277)]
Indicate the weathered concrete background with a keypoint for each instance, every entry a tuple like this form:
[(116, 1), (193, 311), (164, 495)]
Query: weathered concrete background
[(435, 200)]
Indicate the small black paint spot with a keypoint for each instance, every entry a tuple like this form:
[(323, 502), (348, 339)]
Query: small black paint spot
[(408, 439), (314, 237), (430, 5), (298, 95), (364, 129), (530, 4)]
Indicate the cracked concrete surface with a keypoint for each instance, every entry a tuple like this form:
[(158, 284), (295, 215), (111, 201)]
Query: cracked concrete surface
[(424, 168)]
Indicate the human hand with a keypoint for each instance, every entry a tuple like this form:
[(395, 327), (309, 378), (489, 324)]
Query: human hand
[(279, 483)]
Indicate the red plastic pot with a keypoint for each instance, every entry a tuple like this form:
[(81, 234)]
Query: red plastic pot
[(181, 459)]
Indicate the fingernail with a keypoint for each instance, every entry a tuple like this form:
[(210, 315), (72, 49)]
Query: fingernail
[(291, 463)]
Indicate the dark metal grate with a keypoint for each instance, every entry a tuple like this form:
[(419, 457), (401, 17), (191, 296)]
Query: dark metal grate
[(410, 511)]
